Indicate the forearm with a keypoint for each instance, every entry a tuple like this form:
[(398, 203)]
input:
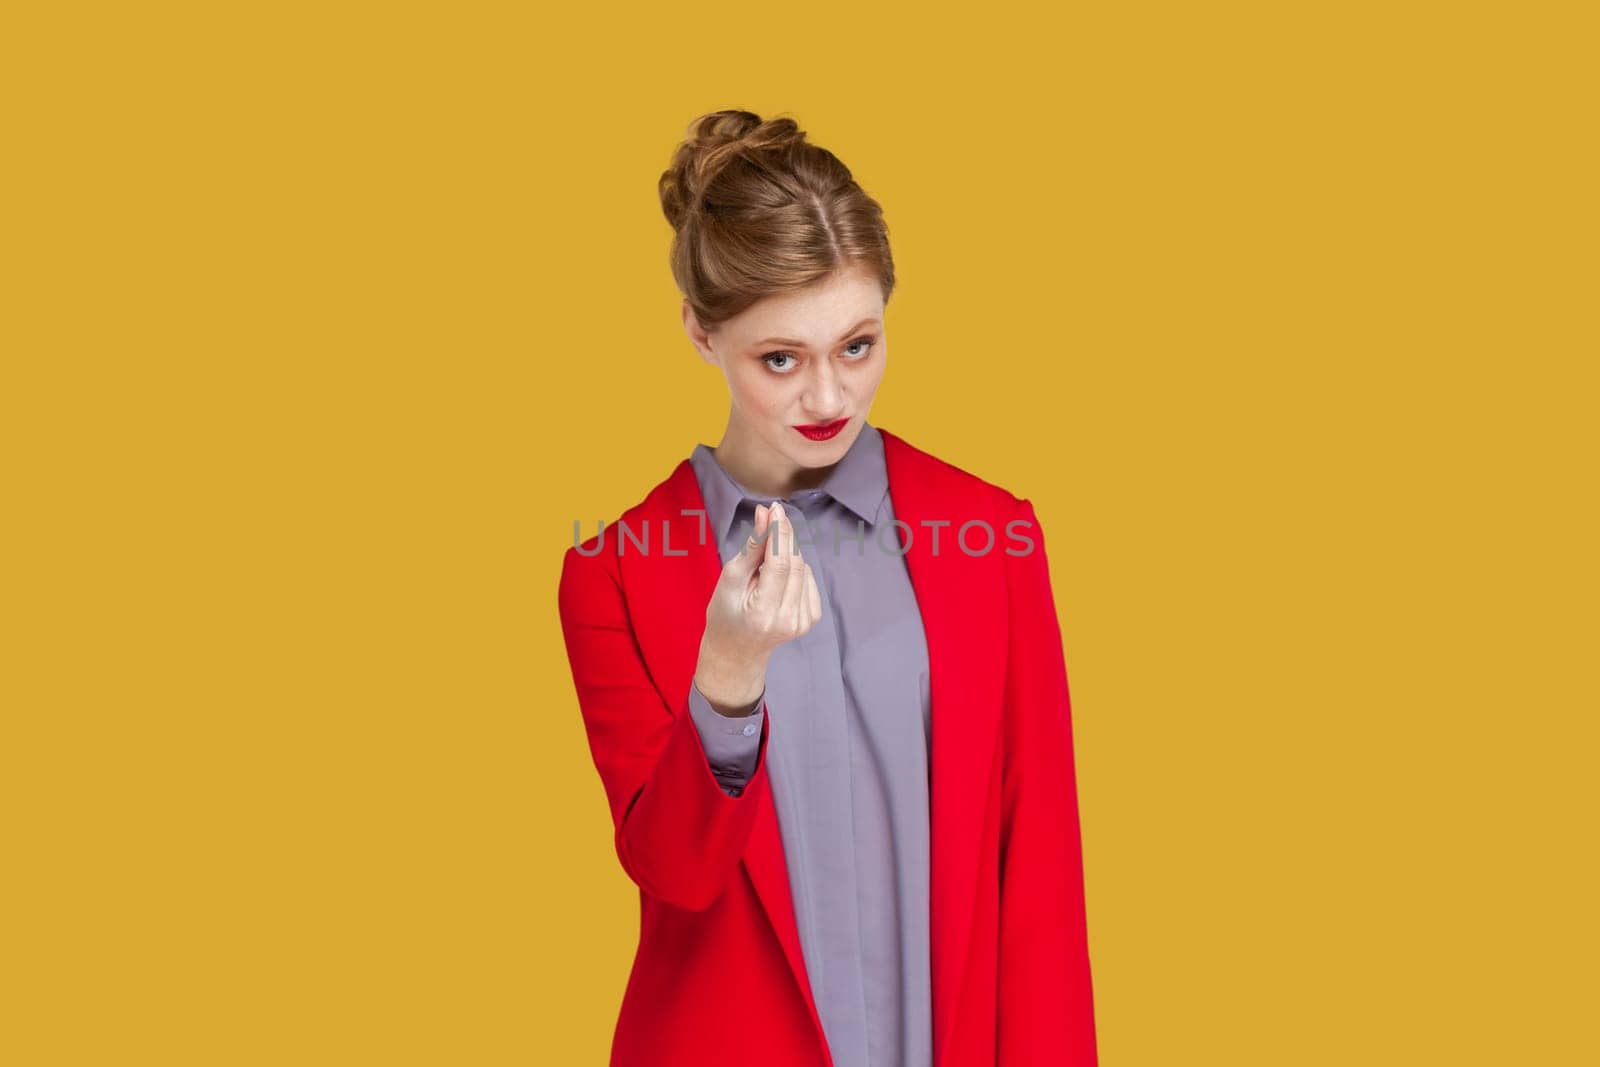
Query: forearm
[(678, 833)]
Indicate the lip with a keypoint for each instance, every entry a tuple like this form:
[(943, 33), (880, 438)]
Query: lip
[(825, 430)]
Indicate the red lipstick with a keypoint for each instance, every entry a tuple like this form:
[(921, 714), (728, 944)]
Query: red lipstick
[(823, 431)]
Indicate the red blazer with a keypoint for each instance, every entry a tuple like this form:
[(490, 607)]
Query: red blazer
[(719, 976)]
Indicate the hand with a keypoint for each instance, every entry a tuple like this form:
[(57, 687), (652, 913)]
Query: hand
[(766, 595)]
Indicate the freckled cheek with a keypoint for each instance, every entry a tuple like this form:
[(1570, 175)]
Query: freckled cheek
[(767, 393), (868, 377), (780, 398)]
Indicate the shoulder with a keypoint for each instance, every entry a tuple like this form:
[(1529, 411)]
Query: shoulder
[(663, 500), (1009, 514), (947, 479)]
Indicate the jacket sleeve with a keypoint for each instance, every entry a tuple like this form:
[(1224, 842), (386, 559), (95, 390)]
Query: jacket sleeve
[(1045, 996), (679, 834)]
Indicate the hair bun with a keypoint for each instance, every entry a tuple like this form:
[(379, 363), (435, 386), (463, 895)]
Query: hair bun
[(758, 208), (713, 140)]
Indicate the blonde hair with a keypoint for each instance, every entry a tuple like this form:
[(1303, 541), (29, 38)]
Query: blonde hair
[(757, 209)]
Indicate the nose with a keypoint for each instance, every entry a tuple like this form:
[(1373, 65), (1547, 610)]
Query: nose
[(824, 396)]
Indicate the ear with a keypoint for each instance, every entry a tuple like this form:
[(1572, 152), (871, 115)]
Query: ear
[(698, 336)]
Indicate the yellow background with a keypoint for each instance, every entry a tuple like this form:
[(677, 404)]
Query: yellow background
[(322, 323)]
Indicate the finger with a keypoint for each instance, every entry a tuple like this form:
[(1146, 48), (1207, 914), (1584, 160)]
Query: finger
[(775, 561), (782, 539), (751, 552), (813, 596), (773, 575), (794, 593)]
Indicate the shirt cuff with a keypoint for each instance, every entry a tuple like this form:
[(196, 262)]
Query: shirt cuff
[(732, 743)]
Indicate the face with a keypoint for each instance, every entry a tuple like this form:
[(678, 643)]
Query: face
[(802, 359)]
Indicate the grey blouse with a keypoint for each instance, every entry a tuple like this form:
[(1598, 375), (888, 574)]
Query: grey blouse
[(848, 755)]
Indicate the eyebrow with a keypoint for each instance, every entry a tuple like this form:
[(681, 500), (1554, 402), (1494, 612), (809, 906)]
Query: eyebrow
[(870, 320)]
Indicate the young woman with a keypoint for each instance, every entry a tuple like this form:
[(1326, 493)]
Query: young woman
[(822, 679)]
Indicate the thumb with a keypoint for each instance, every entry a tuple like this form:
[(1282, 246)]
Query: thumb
[(755, 547)]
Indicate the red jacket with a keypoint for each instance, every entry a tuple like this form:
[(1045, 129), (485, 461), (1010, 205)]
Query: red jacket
[(719, 976)]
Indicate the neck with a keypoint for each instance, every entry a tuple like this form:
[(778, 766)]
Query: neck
[(754, 465)]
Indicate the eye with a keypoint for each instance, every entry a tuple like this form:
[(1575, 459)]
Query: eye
[(863, 343), (867, 341), (786, 368)]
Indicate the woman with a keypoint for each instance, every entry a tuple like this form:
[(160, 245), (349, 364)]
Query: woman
[(822, 679)]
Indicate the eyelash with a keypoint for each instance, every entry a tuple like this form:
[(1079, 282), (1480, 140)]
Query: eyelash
[(865, 339)]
